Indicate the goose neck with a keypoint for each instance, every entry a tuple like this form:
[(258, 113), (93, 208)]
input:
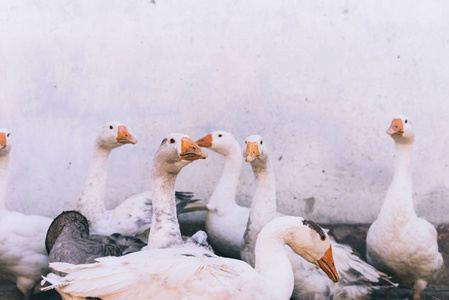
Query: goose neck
[(223, 196), (264, 199), (403, 161), (165, 231), (263, 208), (400, 192), (91, 200), (273, 264)]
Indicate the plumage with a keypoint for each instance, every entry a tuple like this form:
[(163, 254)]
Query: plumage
[(23, 258), (68, 240), (356, 276), (399, 242), (193, 273), (134, 215)]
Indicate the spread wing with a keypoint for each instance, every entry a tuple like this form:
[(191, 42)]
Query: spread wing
[(168, 273)]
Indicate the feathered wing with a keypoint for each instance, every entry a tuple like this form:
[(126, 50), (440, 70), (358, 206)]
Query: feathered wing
[(183, 199), (82, 250), (131, 217), (357, 279), (433, 244), (134, 215), (351, 268), (165, 274), (127, 244)]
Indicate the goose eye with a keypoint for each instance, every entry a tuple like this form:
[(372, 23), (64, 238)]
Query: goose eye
[(405, 121), (172, 141), (111, 127), (323, 237), (220, 135), (8, 134), (261, 142), (246, 142)]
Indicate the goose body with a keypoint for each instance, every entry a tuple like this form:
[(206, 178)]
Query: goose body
[(23, 258), (226, 220), (356, 276), (193, 273), (134, 215), (398, 241), (68, 240)]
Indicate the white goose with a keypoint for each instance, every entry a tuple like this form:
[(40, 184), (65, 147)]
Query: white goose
[(23, 258), (356, 276), (225, 220), (192, 273), (175, 152), (132, 216), (399, 241)]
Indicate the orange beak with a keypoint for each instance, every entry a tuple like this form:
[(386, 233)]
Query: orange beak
[(2, 140), (191, 151), (205, 141), (326, 264), (396, 127), (124, 137), (252, 152)]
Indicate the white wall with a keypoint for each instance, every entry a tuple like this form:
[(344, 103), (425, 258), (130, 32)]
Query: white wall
[(319, 80)]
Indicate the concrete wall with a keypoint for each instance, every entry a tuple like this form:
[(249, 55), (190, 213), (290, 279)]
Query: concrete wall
[(319, 80)]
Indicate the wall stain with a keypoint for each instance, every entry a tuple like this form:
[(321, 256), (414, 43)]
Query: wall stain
[(310, 203)]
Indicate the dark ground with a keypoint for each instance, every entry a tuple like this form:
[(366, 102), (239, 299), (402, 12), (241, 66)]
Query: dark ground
[(353, 235)]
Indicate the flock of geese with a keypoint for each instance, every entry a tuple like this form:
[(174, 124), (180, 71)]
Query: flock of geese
[(92, 252)]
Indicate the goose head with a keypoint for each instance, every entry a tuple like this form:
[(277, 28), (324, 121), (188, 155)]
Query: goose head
[(176, 151), (256, 151), (113, 135), (401, 130), (5, 141), (307, 239), (316, 248), (219, 141)]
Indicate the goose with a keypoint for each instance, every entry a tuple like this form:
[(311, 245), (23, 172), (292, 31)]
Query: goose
[(132, 216), (23, 258), (225, 220), (175, 152), (68, 240), (193, 273), (399, 241), (357, 277)]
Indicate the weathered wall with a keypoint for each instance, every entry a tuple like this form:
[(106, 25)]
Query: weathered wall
[(319, 80)]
